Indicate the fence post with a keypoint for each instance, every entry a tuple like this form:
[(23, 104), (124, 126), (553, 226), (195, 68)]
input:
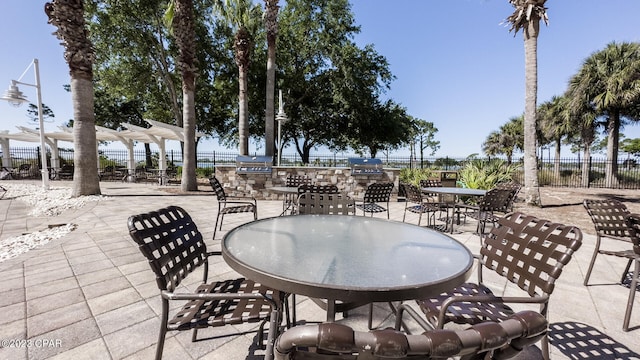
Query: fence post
[(589, 172)]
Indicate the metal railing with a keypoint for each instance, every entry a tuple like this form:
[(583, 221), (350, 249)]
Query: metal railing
[(565, 172)]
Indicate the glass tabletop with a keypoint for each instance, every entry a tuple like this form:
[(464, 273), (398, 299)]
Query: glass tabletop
[(347, 257)]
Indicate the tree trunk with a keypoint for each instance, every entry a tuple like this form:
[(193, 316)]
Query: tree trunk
[(556, 161), (269, 125), (613, 136), (243, 112), (184, 30), (85, 155), (188, 180), (531, 186), (586, 167)]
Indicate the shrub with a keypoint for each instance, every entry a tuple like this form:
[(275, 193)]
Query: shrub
[(483, 174)]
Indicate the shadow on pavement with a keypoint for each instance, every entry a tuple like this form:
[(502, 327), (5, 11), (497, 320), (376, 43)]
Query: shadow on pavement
[(581, 341)]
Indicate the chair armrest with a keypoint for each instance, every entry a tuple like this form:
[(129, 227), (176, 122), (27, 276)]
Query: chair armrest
[(239, 201), (487, 299), (217, 296)]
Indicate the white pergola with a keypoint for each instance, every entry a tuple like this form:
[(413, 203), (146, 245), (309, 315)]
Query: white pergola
[(158, 133)]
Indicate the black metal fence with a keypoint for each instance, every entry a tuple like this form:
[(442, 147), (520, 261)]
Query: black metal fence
[(565, 172)]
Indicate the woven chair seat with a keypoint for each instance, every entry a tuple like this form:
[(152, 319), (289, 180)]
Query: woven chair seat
[(371, 207), (238, 209), (423, 208), (466, 312), (206, 313), (376, 193)]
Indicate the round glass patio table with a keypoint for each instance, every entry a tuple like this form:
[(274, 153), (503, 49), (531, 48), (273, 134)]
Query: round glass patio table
[(347, 258)]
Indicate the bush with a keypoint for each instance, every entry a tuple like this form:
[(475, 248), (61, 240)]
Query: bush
[(483, 174), (413, 176)]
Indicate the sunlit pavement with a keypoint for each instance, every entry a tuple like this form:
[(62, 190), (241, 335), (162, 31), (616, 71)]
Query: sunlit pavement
[(92, 295)]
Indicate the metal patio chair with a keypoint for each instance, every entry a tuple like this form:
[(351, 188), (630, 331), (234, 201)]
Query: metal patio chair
[(527, 252), (489, 340), (376, 193), (325, 204), (231, 205), (171, 242), (418, 204), (633, 223), (513, 186), (491, 207), (293, 181), (608, 217)]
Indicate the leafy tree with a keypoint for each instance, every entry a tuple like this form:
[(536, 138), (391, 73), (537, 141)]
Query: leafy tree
[(423, 133), (526, 17), (333, 87), (68, 17), (33, 113), (608, 83), (631, 146)]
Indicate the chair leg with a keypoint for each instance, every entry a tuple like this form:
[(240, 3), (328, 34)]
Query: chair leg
[(215, 228), (632, 294), (163, 328), (626, 271), (273, 333), (370, 321), (596, 251)]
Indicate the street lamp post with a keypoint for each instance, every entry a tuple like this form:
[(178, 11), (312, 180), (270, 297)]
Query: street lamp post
[(281, 118), (15, 97)]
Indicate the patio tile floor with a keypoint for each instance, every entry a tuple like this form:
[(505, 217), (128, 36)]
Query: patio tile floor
[(91, 295)]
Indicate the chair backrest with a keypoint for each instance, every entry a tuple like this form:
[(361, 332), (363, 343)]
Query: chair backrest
[(218, 189), (297, 180), (317, 189), (515, 189), (608, 216), (378, 192), (414, 195), (337, 341), (633, 223), (171, 242), (530, 252), (424, 183), (430, 183), (325, 204), (496, 199)]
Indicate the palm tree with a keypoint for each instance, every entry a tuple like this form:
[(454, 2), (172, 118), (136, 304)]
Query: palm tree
[(244, 17), (506, 140), (526, 17), (608, 82), (68, 17), (555, 123), (271, 26), (180, 15)]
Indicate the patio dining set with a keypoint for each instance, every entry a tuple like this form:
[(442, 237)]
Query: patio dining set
[(320, 248)]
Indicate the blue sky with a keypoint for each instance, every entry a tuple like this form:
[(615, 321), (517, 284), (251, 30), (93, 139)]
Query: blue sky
[(455, 64)]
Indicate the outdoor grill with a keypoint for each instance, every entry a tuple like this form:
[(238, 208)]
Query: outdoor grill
[(365, 166), (254, 164)]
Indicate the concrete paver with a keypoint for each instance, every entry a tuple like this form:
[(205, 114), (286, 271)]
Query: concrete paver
[(91, 294)]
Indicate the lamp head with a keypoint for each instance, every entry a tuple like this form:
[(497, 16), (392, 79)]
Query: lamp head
[(14, 96)]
